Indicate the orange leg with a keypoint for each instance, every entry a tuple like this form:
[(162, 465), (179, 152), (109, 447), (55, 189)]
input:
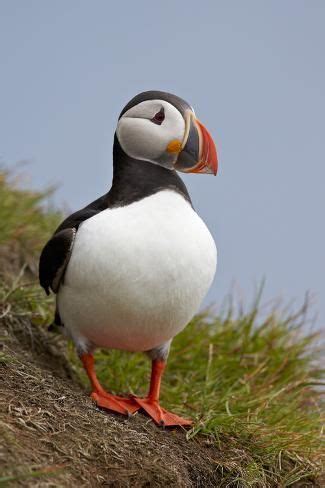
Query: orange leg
[(151, 403), (102, 398)]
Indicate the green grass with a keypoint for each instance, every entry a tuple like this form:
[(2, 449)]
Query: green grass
[(21, 222), (251, 384)]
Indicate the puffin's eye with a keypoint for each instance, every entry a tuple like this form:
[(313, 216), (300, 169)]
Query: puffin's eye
[(159, 117)]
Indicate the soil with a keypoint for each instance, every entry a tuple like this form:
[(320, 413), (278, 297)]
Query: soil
[(50, 427)]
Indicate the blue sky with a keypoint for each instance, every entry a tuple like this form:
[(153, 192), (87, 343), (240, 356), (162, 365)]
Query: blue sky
[(254, 72)]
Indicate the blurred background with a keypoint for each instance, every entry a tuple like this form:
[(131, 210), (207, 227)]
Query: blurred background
[(254, 73)]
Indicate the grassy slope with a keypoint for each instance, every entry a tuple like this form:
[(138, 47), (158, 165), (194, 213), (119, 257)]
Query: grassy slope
[(249, 384)]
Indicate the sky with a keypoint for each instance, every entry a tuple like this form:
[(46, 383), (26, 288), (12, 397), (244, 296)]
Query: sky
[(254, 72)]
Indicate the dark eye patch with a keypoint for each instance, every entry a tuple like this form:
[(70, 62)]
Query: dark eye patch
[(159, 117)]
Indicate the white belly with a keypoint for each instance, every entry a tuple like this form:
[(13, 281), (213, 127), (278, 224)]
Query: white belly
[(137, 274)]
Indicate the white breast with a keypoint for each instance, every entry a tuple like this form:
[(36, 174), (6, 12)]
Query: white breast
[(137, 274)]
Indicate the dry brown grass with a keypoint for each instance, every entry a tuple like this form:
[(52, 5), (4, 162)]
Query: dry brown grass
[(53, 435)]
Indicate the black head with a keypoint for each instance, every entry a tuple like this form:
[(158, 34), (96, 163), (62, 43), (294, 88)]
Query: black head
[(162, 129)]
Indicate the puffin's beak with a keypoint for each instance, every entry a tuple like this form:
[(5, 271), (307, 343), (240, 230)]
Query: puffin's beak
[(199, 153)]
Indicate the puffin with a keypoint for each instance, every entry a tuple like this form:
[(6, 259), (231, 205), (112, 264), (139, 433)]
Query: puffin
[(131, 269)]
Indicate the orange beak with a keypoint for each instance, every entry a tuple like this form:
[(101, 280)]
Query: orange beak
[(199, 153), (208, 161)]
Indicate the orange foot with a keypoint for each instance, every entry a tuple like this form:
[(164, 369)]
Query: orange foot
[(161, 416), (125, 406)]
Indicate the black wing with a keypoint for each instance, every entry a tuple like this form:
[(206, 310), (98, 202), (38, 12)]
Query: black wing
[(56, 254), (54, 259)]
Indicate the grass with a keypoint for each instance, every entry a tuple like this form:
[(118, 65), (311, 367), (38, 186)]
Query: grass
[(251, 384), (5, 480), (246, 383)]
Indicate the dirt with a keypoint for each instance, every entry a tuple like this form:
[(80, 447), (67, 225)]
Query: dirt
[(50, 427)]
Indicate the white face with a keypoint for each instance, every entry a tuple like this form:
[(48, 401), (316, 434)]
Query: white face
[(153, 131)]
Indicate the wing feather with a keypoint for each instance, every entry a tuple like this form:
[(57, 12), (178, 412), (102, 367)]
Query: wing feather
[(56, 254), (54, 259)]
